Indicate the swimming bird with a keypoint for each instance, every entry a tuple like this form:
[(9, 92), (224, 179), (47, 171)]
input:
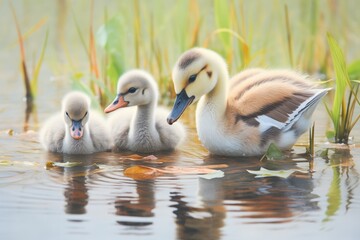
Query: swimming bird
[(77, 129), (243, 115), (144, 128)]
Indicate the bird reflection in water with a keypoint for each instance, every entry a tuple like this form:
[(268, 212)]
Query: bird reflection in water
[(142, 206), (204, 220), (249, 199), (76, 191)]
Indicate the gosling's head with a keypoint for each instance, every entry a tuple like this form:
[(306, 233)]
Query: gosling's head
[(194, 75), (135, 88), (75, 107)]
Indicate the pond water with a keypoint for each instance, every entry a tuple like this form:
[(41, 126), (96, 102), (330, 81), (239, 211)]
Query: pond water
[(97, 200)]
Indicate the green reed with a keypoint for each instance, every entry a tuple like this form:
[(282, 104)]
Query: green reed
[(152, 36), (30, 81), (346, 99)]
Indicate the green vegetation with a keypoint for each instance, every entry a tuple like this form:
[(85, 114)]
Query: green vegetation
[(30, 83), (346, 96), (149, 38), (152, 34)]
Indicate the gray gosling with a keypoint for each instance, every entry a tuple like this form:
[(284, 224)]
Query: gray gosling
[(76, 130), (142, 129)]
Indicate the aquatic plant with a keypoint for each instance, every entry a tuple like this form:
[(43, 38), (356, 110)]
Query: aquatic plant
[(30, 83), (346, 99), (311, 148), (141, 37)]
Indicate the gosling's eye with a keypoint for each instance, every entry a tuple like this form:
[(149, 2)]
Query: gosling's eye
[(132, 90), (67, 114), (192, 78)]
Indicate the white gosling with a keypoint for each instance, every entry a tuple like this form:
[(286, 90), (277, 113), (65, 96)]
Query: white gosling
[(142, 129), (242, 116), (76, 130)]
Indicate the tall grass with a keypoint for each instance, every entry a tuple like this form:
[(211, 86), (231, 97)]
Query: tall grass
[(30, 81), (346, 96), (152, 34), (154, 43), (289, 38), (28, 91)]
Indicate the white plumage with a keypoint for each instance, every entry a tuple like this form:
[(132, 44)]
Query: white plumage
[(143, 127), (77, 129)]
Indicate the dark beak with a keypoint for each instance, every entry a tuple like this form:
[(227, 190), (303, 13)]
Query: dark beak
[(76, 130), (181, 102)]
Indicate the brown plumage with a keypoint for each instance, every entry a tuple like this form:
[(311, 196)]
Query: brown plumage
[(244, 114)]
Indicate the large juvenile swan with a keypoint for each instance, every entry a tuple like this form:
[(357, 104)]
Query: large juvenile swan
[(243, 115), (143, 129), (76, 130)]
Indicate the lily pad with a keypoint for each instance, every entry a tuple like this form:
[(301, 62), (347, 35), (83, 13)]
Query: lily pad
[(216, 174), (150, 157), (274, 153), (263, 172), (18, 163), (5, 163), (10, 132), (63, 164), (143, 172), (136, 157)]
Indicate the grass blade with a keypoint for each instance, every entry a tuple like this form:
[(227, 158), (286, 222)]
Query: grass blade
[(241, 40), (35, 75), (29, 94), (137, 30), (221, 10), (77, 26), (288, 34), (92, 48)]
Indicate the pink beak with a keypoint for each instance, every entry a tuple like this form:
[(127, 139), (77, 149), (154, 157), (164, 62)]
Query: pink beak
[(119, 102)]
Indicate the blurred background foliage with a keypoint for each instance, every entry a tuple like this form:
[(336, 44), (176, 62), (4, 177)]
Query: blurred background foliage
[(89, 44)]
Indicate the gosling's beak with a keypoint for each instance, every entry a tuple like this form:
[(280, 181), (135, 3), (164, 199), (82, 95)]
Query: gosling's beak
[(119, 102), (76, 130), (181, 102)]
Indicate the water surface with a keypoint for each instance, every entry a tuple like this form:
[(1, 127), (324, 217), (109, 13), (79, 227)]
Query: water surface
[(89, 201)]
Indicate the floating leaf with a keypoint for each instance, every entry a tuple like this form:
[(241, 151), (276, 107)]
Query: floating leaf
[(18, 163), (216, 174), (10, 132), (63, 164), (263, 172), (150, 157), (5, 163), (187, 170), (136, 157), (274, 153), (131, 157), (141, 172)]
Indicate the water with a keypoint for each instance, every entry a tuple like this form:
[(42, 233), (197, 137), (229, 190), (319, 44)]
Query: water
[(96, 200)]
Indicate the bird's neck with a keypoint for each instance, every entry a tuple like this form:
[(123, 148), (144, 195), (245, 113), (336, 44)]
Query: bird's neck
[(83, 145), (216, 98), (144, 120)]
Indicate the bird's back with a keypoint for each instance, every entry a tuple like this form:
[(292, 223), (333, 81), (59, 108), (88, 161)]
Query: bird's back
[(278, 104)]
